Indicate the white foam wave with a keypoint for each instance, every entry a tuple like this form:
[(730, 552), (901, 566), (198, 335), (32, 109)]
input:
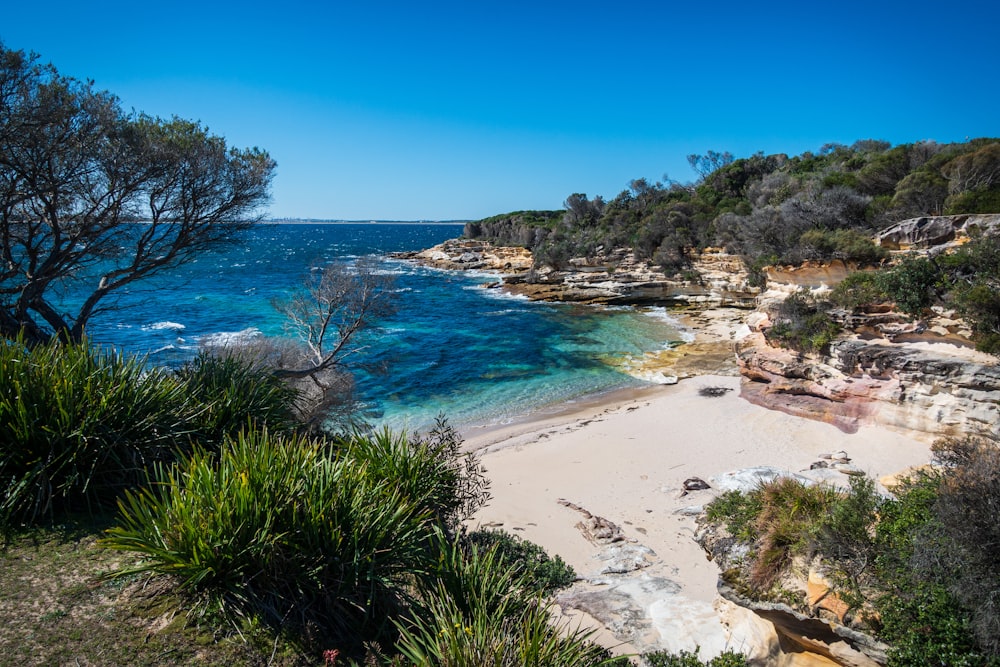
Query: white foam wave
[(162, 326), (230, 338)]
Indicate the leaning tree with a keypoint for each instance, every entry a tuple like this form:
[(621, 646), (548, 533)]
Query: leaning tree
[(93, 199)]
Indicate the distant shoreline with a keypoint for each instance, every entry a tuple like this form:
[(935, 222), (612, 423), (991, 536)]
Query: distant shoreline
[(298, 221)]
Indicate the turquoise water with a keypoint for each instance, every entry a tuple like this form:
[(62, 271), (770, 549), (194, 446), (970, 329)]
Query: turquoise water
[(453, 347)]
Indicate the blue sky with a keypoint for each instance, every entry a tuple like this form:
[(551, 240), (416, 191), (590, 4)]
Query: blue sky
[(392, 110)]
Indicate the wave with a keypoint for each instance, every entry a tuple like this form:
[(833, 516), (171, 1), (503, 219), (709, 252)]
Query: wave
[(230, 338), (162, 326)]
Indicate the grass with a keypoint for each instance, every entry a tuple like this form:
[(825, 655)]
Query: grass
[(59, 608)]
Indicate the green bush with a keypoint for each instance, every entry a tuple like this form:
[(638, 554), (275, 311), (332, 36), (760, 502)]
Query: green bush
[(801, 325), (845, 244), (786, 525), (974, 201), (912, 284), (739, 511), (233, 393), (279, 529), (483, 612), (727, 658), (429, 469), (542, 573), (79, 424), (857, 290)]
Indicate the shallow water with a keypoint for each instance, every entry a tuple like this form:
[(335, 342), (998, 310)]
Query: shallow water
[(453, 347)]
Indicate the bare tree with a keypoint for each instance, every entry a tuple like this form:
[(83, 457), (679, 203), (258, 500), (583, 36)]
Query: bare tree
[(324, 320), (93, 199), (703, 165)]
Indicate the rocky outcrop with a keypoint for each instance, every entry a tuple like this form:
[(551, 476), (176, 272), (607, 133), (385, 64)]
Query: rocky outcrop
[(864, 382), (810, 620), (933, 231), (615, 277), (468, 255)]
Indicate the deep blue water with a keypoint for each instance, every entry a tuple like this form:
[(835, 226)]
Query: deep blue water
[(452, 347)]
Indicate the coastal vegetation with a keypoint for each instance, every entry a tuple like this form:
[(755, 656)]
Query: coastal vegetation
[(914, 568), (769, 209), (326, 545)]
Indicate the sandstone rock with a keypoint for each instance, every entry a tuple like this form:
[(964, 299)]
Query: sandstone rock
[(860, 382), (749, 479), (819, 594), (931, 231)]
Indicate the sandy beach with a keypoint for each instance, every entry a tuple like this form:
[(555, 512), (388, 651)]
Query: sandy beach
[(625, 458)]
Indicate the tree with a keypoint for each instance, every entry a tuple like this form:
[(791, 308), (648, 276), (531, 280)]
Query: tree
[(324, 319), (703, 165), (93, 199)]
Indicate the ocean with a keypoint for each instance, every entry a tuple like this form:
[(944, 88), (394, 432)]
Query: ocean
[(453, 348)]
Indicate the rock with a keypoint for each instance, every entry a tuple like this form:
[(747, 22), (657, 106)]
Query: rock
[(595, 529), (918, 233), (624, 558), (860, 382), (819, 594), (695, 484), (931, 231), (748, 479), (837, 643)]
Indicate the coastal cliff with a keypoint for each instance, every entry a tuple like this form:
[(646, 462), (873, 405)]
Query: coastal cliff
[(922, 376)]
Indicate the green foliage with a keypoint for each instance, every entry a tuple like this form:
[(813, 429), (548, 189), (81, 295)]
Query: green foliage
[(77, 170), (911, 284), (542, 573), (801, 325), (845, 244), (727, 658), (767, 208), (235, 392), (298, 533), (845, 538), (973, 279), (739, 511), (974, 201), (858, 290), (786, 524), (429, 469), (780, 518), (483, 612), (79, 424)]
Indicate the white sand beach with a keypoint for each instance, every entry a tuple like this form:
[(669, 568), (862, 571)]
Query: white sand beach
[(626, 460)]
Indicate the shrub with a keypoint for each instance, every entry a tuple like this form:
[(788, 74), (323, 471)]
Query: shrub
[(857, 290), (845, 244), (276, 528), (727, 658), (234, 393), (738, 511), (484, 612), (79, 424), (845, 537), (542, 573), (912, 284), (918, 615), (429, 469), (790, 512), (959, 548), (780, 518), (799, 324)]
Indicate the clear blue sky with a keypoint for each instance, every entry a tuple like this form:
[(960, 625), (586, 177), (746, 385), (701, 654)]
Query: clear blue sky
[(439, 110)]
